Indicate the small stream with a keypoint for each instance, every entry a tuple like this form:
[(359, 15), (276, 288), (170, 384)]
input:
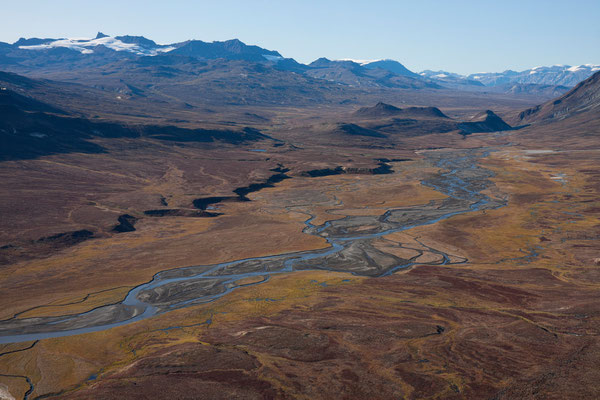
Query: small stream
[(352, 248)]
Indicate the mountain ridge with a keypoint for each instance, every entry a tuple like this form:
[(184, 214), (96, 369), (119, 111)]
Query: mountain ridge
[(112, 61), (557, 75)]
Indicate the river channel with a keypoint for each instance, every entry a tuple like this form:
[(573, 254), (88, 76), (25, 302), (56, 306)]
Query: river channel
[(351, 249)]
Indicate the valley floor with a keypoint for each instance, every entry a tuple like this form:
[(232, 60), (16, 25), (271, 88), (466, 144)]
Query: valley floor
[(494, 302)]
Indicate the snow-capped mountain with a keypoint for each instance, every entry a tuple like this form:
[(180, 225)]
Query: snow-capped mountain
[(132, 44), (553, 80), (141, 46), (564, 75), (103, 51)]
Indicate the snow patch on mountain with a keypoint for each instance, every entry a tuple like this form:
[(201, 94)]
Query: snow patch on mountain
[(360, 62), (270, 57)]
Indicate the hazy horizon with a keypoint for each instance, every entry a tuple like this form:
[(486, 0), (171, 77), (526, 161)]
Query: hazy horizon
[(464, 37)]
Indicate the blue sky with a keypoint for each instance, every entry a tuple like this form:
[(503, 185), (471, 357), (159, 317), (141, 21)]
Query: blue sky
[(463, 36)]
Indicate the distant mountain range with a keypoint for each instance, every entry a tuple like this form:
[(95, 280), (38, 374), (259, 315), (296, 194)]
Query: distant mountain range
[(450, 78), (561, 76), (564, 75), (581, 101), (124, 59)]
